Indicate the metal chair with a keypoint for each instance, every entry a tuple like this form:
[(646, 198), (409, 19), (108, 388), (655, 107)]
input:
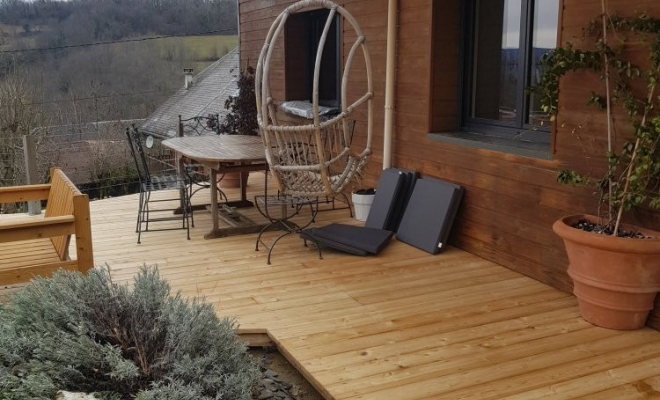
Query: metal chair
[(197, 174), (288, 207), (167, 180)]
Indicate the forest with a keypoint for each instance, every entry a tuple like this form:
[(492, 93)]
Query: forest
[(71, 63), (92, 60)]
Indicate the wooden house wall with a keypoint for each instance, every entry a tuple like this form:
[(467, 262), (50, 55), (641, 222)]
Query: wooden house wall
[(511, 201)]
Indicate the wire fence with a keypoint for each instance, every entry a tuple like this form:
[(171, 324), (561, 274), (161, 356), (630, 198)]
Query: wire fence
[(95, 156)]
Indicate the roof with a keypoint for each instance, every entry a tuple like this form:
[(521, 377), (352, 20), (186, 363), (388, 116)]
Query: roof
[(207, 95)]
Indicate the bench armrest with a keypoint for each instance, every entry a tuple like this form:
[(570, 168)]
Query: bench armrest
[(18, 194), (12, 230)]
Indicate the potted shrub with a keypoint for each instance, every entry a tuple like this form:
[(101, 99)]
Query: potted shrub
[(85, 333), (615, 267), (240, 120)]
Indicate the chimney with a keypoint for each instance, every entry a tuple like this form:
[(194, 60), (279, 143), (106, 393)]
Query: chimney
[(188, 77)]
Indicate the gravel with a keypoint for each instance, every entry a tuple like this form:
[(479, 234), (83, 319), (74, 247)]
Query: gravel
[(280, 380), (270, 386)]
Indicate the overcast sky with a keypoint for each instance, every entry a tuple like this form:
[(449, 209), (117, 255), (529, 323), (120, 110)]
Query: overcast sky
[(546, 15)]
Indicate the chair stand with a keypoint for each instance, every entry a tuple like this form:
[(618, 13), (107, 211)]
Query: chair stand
[(289, 208), (198, 181), (145, 212), (163, 181)]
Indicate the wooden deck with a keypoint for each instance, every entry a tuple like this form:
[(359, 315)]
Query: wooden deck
[(401, 326)]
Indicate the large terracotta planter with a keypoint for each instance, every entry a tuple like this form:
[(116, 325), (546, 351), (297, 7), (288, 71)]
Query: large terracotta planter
[(615, 279)]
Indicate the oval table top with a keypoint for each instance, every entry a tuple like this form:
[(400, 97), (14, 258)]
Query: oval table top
[(219, 148)]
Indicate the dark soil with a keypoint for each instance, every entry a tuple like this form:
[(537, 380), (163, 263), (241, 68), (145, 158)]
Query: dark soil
[(366, 191), (279, 379), (589, 226)]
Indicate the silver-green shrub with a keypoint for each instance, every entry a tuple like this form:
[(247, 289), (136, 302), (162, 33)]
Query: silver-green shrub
[(85, 333)]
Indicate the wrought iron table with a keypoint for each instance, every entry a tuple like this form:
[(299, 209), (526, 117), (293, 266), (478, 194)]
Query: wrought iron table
[(222, 154)]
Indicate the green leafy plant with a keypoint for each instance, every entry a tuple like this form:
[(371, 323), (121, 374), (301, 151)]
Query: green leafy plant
[(85, 333), (242, 116), (633, 172)]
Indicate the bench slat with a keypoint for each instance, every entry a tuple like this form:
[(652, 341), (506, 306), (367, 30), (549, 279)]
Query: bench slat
[(52, 227), (24, 274), (19, 194), (26, 253)]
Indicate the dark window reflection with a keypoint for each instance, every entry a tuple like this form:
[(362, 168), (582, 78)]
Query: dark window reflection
[(498, 86), (544, 39), (496, 56)]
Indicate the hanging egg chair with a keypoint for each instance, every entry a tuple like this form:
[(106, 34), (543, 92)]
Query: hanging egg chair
[(314, 159)]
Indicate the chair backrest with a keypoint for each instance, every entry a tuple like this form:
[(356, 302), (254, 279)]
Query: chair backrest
[(314, 159), (139, 156), (60, 203)]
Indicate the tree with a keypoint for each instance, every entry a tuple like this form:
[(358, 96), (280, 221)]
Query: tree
[(242, 116), (19, 115)]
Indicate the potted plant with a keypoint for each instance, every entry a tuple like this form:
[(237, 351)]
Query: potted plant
[(240, 120), (615, 267), (362, 199)]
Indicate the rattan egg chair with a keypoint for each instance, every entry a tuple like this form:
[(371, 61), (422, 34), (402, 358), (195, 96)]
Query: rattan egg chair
[(314, 160)]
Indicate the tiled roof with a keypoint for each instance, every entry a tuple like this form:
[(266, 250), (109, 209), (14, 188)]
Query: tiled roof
[(207, 95)]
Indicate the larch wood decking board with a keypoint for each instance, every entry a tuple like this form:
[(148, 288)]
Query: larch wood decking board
[(405, 325), (641, 389)]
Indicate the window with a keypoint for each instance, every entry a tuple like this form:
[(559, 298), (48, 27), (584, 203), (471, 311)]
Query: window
[(506, 40), (302, 34)]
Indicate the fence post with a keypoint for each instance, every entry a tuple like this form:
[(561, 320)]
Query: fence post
[(180, 166), (30, 152)]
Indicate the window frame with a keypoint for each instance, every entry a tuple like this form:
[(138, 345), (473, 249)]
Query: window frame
[(518, 130), (310, 59)]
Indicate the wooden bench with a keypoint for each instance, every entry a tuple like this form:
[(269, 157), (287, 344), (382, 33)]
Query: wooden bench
[(39, 245)]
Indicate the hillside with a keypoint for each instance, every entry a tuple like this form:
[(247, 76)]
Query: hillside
[(94, 60)]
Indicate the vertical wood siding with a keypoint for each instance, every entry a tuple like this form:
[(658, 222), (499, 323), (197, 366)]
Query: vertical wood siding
[(511, 201)]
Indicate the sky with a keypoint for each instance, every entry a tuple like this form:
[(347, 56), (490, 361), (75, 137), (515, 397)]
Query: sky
[(546, 15)]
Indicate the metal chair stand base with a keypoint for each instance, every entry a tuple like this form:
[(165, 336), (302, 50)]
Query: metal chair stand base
[(145, 215), (289, 207)]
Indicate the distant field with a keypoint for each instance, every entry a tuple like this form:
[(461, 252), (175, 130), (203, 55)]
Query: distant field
[(10, 29), (12, 36), (194, 48), (126, 80), (199, 48), (198, 51)]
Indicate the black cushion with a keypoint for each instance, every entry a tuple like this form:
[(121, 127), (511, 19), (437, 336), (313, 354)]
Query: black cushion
[(409, 179), (368, 239), (430, 213), (310, 233), (385, 201)]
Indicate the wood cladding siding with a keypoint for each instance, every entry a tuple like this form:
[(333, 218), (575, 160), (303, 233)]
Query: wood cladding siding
[(511, 201)]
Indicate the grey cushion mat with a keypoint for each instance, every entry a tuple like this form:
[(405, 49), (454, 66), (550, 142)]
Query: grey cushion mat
[(357, 237), (430, 213), (409, 179), (305, 234), (385, 200)]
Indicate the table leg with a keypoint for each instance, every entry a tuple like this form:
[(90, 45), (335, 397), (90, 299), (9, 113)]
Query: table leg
[(214, 200), (243, 186), (180, 172)]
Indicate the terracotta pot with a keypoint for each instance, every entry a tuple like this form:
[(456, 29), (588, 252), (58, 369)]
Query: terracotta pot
[(615, 279), (231, 180)]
